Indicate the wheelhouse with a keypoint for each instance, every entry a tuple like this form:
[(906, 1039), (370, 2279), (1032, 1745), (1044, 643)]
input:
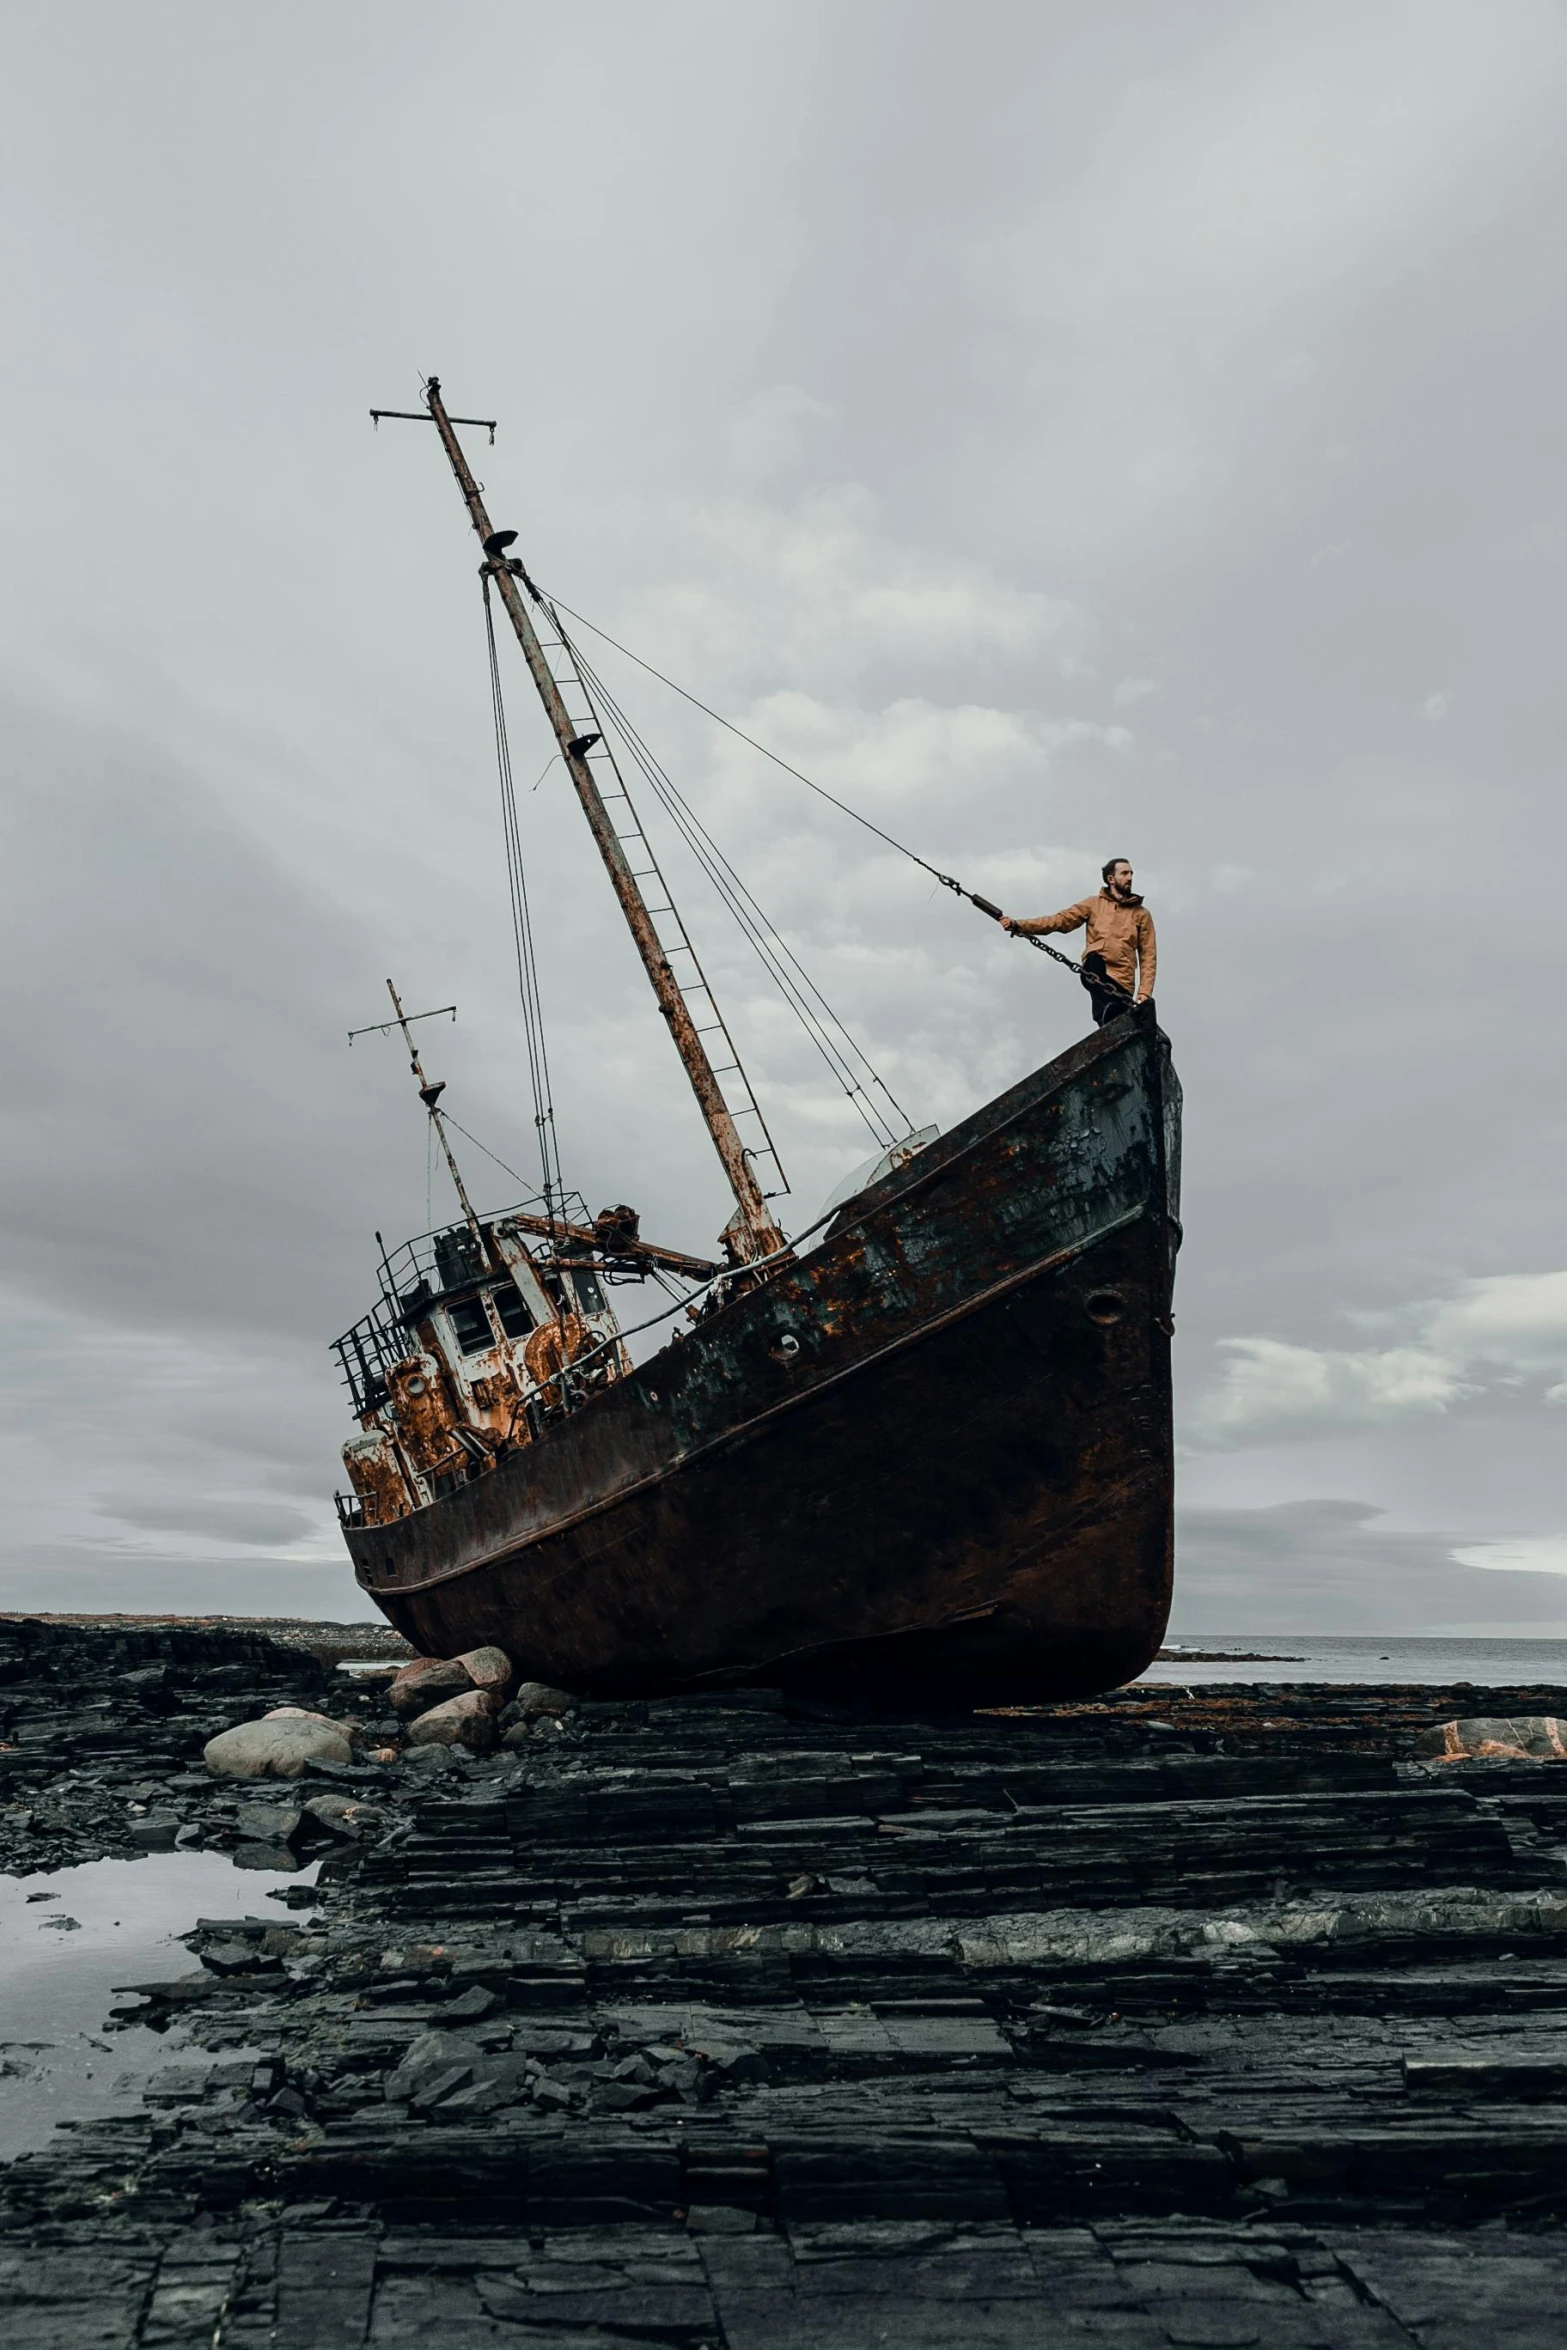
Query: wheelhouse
[(479, 1338)]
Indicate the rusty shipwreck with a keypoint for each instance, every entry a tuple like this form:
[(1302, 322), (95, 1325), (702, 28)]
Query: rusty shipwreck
[(926, 1446)]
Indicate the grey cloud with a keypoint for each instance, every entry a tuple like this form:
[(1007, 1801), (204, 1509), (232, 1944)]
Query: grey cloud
[(264, 1523), (1327, 1566), (1508, 1329), (66, 1580), (915, 386)]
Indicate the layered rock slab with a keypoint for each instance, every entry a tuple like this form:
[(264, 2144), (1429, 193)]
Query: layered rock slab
[(1163, 2020)]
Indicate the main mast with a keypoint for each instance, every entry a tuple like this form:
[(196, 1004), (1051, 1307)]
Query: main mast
[(759, 1234)]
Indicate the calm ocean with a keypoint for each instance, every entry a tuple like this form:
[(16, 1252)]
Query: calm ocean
[(1316, 1657)]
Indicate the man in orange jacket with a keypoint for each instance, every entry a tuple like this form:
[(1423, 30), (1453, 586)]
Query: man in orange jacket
[(1120, 952)]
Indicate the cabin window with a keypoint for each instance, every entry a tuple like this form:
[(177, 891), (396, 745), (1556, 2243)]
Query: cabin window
[(472, 1325), (510, 1311), (589, 1295)]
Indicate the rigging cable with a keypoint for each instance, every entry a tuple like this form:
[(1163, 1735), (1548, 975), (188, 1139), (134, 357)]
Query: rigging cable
[(522, 934), (827, 1032), (846, 1060), (947, 880), (485, 1151)]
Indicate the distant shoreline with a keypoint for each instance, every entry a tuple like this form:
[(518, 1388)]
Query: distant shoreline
[(1225, 1656), (331, 1642), (1325, 1660), (376, 1638)]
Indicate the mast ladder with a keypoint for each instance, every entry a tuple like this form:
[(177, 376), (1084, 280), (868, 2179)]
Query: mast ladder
[(668, 924), (753, 1234)]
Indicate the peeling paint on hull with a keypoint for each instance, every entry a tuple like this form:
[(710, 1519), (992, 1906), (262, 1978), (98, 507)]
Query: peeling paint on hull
[(959, 1477)]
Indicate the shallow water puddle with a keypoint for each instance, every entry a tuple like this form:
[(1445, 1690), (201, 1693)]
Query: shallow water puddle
[(68, 1941)]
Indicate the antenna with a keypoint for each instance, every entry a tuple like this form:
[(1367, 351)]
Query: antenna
[(430, 1092)]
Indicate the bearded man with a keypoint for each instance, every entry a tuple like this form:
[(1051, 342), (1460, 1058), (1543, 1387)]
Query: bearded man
[(1120, 952)]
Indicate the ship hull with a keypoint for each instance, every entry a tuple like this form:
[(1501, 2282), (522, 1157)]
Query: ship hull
[(934, 1456)]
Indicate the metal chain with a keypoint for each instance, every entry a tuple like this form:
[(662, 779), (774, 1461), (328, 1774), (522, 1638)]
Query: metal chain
[(1090, 979)]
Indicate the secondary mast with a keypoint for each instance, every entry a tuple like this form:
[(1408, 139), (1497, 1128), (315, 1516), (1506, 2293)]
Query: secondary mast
[(430, 1094), (759, 1233)]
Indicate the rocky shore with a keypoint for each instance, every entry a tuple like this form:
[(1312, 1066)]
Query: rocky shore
[(1212, 2017)]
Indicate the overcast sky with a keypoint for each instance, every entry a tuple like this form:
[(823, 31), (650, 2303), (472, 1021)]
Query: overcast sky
[(1063, 431)]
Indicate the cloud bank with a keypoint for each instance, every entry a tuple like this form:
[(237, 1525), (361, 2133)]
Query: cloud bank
[(1507, 1329), (1061, 431)]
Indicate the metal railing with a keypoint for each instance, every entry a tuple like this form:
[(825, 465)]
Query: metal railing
[(440, 1263)]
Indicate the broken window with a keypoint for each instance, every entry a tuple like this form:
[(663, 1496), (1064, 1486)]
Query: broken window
[(472, 1325), (510, 1311), (590, 1298)]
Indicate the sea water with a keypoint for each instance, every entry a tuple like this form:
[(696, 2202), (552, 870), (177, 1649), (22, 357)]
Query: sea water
[(1317, 1656)]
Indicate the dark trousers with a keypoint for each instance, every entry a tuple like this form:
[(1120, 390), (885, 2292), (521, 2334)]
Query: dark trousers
[(1109, 1000)]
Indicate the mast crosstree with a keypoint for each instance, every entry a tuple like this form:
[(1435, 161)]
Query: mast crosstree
[(671, 963), (430, 1094)]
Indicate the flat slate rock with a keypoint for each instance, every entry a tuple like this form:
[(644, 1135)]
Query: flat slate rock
[(1213, 2018)]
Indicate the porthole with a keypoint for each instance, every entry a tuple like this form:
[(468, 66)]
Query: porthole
[(1104, 1307)]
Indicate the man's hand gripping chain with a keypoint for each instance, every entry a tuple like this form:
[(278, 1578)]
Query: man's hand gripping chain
[(1108, 987)]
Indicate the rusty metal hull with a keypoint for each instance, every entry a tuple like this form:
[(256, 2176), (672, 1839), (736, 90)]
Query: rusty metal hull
[(960, 1480)]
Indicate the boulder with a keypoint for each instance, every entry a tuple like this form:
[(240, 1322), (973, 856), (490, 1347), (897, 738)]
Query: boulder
[(534, 1698), (341, 1816), (421, 2063), (302, 1713), (428, 1681), (280, 1858), (156, 1833), (490, 1669), (1495, 1738), (275, 1748), (462, 1721), (235, 1958), (268, 1823)]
